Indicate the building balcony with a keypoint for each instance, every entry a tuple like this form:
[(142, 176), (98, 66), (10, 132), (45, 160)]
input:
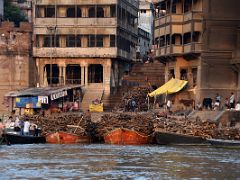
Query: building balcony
[(103, 52), (192, 48), (171, 18), (193, 15), (179, 49), (84, 22)]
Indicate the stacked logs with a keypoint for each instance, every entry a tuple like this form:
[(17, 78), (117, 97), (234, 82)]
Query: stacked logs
[(205, 129), (77, 123), (139, 94), (142, 123)]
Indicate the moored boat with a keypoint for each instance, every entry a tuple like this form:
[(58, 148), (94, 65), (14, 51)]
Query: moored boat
[(14, 138), (66, 138), (122, 136), (168, 138), (224, 143)]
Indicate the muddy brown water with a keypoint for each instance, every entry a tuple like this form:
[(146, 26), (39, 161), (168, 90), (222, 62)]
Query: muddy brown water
[(100, 161)]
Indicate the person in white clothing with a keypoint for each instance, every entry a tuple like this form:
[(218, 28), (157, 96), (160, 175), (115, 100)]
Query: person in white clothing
[(232, 101), (169, 104), (26, 127)]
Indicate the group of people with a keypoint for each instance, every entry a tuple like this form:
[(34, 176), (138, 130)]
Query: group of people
[(230, 103), (20, 127)]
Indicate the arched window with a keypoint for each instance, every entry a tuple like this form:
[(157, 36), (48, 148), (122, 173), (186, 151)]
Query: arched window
[(91, 12), (79, 12), (71, 12), (100, 12)]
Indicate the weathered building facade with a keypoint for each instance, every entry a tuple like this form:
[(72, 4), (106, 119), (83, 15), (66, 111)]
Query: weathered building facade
[(16, 65), (198, 40), (84, 42)]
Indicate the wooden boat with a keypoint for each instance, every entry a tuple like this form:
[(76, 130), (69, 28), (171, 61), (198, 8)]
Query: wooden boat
[(224, 143), (13, 138), (66, 138), (123, 136), (165, 138)]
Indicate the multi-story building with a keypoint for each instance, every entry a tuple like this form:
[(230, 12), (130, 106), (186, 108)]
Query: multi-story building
[(1, 10), (89, 43), (198, 40), (145, 25)]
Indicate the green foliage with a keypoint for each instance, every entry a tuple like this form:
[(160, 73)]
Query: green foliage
[(13, 13)]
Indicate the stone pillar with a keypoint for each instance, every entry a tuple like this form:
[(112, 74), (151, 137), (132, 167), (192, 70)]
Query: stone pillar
[(60, 74), (107, 76), (82, 75), (64, 75), (41, 74), (86, 75)]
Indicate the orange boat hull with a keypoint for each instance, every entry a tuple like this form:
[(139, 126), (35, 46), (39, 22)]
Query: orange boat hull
[(126, 137), (66, 138)]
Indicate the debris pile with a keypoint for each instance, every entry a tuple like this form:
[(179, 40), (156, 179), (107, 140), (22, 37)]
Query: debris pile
[(142, 123), (139, 95), (77, 123)]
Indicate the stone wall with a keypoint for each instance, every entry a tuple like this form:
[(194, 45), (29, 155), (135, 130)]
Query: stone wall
[(16, 65)]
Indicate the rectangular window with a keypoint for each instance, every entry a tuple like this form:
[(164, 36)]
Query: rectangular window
[(112, 41), (99, 41), (70, 41), (51, 41), (113, 10), (91, 41), (49, 11), (78, 41)]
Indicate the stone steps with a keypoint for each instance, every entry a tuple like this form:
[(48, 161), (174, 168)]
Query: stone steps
[(89, 96)]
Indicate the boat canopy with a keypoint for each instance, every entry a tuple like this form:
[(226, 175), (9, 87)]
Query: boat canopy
[(170, 87)]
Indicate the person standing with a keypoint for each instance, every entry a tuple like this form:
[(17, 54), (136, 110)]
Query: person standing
[(26, 127), (232, 101)]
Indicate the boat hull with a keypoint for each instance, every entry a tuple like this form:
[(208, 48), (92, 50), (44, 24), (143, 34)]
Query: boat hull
[(224, 143), (22, 139), (66, 138), (126, 137), (165, 138)]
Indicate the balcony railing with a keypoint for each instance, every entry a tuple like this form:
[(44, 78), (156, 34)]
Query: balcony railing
[(194, 15), (179, 49)]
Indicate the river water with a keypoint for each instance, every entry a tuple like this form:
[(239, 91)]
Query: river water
[(100, 161)]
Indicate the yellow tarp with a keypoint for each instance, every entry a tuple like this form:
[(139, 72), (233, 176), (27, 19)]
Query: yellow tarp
[(96, 107), (170, 87)]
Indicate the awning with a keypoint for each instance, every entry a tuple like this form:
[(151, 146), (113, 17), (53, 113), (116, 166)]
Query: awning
[(170, 87)]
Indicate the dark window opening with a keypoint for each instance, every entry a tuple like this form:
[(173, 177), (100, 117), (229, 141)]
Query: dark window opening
[(71, 12), (52, 73), (91, 12), (168, 39), (196, 36), (112, 40), (73, 74), (49, 11), (100, 12), (99, 41), (95, 73), (91, 41), (51, 41), (187, 5), (113, 10), (187, 38), (162, 41), (70, 41), (183, 74), (79, 12)]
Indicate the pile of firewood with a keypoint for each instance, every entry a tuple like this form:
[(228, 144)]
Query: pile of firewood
[(205, 129), (142, 123), (139, 94), (77, 123)]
